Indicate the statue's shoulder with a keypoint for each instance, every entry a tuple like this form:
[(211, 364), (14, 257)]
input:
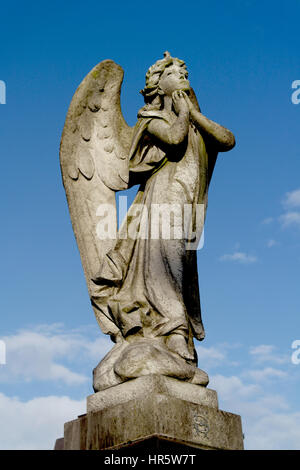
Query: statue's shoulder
[(145, 115), (141, 137)]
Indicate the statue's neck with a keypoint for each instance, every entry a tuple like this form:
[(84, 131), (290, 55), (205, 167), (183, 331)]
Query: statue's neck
[(168, 104)]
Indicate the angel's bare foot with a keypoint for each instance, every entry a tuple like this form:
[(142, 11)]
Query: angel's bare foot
[(177, 343)]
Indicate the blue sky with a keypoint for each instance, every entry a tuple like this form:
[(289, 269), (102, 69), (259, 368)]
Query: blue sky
[(242, 57)]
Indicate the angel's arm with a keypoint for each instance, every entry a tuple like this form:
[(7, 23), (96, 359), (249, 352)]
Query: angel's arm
[(172, 134), (223, 137)]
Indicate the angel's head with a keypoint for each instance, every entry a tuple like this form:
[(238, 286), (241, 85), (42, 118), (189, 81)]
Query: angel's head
[(163, 78)]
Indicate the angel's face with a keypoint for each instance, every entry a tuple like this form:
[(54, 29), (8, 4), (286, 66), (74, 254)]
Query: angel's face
[(174, 78)]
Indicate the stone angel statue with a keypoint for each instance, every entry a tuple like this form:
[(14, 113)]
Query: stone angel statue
[(143, 289)]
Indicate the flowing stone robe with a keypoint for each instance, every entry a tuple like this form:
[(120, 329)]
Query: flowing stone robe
[(149, 287)]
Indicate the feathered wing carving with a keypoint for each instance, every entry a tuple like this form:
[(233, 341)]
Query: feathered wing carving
[(94, 163)]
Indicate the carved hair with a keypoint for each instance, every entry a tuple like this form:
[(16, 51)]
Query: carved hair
[(152, 90)]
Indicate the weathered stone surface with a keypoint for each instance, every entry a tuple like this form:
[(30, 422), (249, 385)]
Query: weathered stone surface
[(59, 444), (160, 415), (75, 433), (142, 278), (146, 386), (127, 361), (154, 406)]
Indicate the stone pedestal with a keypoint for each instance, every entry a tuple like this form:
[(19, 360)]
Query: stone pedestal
[(154, 408)]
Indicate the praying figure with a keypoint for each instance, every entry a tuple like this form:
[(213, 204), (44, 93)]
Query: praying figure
[(143, 283)]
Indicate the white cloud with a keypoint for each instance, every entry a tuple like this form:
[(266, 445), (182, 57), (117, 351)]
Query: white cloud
[(42, 353), (292, 199), (265, 374), (271, 243), (37, 423), (229, 387), (291, 203), (291, 215), (266, 420), (290, 218), (45, 353), (239, 257), (246, 399), (262, 350), (210, 356), (268, 220), (268, 353), (274, 431), (215, 356)]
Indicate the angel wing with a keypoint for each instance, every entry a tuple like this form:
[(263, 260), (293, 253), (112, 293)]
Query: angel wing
[(94, 164)]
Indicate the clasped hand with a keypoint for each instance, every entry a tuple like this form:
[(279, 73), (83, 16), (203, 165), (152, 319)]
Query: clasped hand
[(181, 102)]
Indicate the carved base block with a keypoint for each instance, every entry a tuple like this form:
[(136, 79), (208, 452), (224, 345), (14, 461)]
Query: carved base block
[(154, 407)]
